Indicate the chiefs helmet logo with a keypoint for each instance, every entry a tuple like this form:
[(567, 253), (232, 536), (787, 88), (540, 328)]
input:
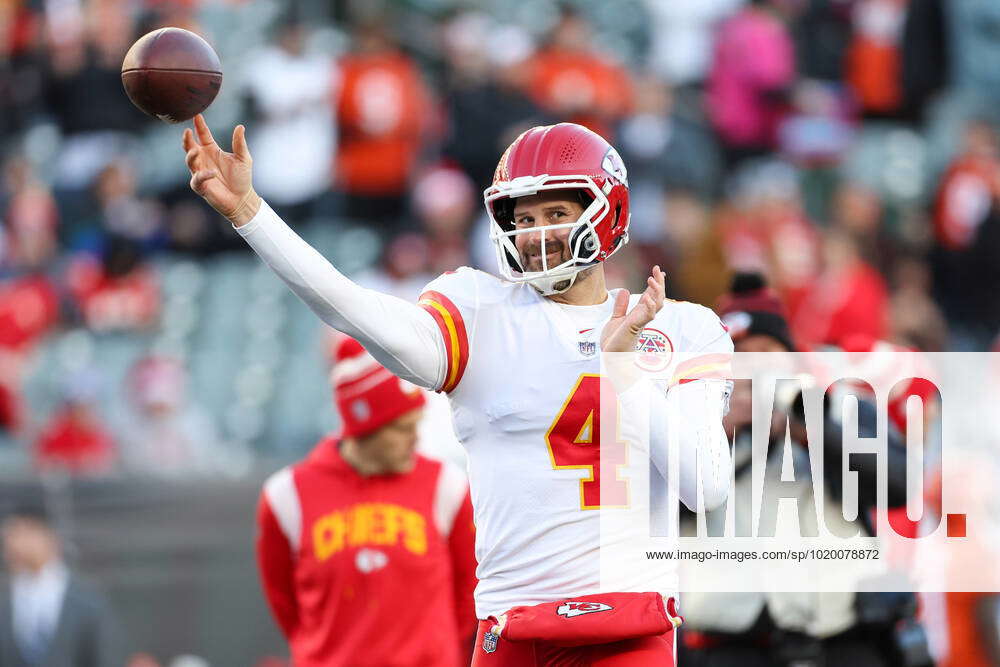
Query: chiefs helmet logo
[(571, 609), (613, 165)]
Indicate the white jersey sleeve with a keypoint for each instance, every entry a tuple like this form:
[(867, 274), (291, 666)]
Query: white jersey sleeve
[(690, 410), (400, 335)]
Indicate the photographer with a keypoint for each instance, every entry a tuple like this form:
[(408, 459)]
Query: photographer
[(801, 629)]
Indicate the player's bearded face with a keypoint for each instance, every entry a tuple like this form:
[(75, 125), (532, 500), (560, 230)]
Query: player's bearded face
[(552, 207)]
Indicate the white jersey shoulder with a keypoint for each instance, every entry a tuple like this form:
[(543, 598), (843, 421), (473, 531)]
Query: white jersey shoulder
[(472, 288), (459, 301)]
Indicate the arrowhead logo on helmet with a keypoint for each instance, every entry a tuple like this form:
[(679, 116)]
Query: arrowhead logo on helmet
[(613, 164), (565, 156)]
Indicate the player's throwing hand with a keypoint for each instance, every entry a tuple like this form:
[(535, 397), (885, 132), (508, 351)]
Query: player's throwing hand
[(223, 179), (622, 330)]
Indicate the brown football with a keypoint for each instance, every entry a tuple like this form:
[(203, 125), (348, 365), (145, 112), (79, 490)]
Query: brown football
[(172, 74)]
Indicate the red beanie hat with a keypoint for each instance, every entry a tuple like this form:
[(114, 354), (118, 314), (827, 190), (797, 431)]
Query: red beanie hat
[(367, 395)]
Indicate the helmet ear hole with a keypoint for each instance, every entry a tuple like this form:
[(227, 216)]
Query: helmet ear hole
[(584, 242)]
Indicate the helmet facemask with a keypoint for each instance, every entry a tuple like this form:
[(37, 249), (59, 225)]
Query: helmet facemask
[(583, 240)]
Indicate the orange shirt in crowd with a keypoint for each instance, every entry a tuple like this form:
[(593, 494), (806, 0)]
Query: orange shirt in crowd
[(874, 57), (383, 111), (580, 88)]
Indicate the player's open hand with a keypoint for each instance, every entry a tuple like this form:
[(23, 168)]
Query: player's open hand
[(223, 179), (622, 330)]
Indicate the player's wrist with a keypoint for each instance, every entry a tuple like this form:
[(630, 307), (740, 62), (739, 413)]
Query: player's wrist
[(246, 209)]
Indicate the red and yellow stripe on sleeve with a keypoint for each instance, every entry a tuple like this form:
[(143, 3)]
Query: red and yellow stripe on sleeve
[(456, 342), (716, 366)]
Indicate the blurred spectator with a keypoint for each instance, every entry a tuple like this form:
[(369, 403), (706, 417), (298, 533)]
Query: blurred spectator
[(682, 35), (29, 300), (75, 440), (969, 187), (86, 54), (49, 616), (847, 297), (687, 248), (663, 150), (22, 67), (403, 270), (29, 308), (289, 91), (818, 128), (485, 104), (119, 292), (967, 230), (445, 203), (575, 83), (30, 218), (365, 512), (752, 70), (822, 33), (857, 210), (164, 433), (917, 320), (120, 211), (384, 113), (873, 65), (763, 227)]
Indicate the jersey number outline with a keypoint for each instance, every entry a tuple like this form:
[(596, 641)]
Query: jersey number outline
[(574, 442)]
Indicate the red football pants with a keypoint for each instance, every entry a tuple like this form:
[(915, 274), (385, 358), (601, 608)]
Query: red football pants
[(647, 651)]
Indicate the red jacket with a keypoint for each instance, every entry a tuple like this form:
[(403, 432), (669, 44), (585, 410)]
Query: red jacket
[(369, 570)]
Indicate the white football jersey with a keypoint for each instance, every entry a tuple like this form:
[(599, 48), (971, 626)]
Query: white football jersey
[(522, 380)]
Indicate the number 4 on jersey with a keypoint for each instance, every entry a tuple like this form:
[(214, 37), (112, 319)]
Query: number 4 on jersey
[(574, 441)]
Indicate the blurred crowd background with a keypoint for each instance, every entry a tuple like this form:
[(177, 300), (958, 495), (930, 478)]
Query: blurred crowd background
[(848, 149)]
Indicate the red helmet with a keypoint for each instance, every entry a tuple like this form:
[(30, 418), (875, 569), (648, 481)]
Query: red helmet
[(559, 157)]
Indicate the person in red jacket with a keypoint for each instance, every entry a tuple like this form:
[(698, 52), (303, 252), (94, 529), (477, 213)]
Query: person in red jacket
[(366, 548)]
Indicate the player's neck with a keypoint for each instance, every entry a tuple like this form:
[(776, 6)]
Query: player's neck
[(356, 458), (589, 289)]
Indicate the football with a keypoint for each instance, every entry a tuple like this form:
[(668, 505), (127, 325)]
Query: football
[(172, 74)]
